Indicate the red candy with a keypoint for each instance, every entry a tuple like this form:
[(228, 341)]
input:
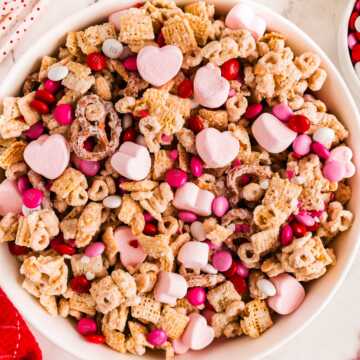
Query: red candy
[(129, 135), (45, 96), (352, 20), (160, 39), (39, 106), (52, 86), (230, 69), (299, 123), (355, 53), (61, 247), (239, 284), (253, 111), (185, 89), (35, 131), (96, 61), (196, 124), (298, 229), (17, 250), (95, 339), (150, 229), (80, 284)]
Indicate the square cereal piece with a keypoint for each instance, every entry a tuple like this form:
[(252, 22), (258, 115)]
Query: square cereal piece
[(256, 319), (221, 296), (148, 311), (83, 303), (11, 109), (71, 44), (177, 31), (135, 25), (173, 322), (12, 154), (201, 9), (201, 28), (46, 63), (265, 241), (162, 163), (30, 116), (217, 119)]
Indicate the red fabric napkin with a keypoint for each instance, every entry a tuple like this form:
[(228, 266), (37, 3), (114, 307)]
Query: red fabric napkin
[(16, 340)]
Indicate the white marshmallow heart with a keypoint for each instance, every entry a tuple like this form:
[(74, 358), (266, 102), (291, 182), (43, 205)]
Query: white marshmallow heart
[(132, 161)]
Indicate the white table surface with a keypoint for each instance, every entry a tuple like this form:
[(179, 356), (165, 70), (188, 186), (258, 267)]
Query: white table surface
[(334, 334)]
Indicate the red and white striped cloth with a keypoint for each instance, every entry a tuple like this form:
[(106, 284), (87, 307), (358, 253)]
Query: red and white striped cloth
[(16, 340), (16, 17)]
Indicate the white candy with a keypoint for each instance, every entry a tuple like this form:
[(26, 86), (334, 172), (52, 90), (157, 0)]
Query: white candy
[(90, 276), (264, 184), (112, 48), (266, 287), (357, 69), (58, 72), (112, 202), (27, 211), (140, 140), (197, 231), (357, 24), (127, 121), (324, 136)]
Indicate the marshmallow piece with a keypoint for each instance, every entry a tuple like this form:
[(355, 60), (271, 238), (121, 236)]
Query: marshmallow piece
[(131, 251), (191, 198), (197, 231), (10, 198), (272, 134), (242, 16), (194, 255), (210, 88), (179, 347), (217, 149), (170, 287), (198, 334), (289, 294), (159, 65), (343, 154), (48, 156), (132, 161)]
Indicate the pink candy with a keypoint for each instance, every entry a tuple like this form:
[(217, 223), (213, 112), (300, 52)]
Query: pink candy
[(23, 184), (32, 198), (156, 337), (286, 235), (52, 86), (242, 270), (196, 166), (130, 63), (196, 296), (351, 40), (35, 131), (320, 150), (176, 177), (63, 114), (305, 219), (148, 217), (94, 249), (222, 260), (88, 168), (187, 216), (220, 206), (301, 144), (282, 112), (253, 111), (173, 154), (86, 326)]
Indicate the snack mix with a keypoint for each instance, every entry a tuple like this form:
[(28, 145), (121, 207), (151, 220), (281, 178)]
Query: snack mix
[(172, 178), (354, 37)]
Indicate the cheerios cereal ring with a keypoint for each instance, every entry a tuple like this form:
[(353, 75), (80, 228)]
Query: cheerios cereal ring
[(93, 116)]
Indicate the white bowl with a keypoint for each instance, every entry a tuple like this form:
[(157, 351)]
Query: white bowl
[(319, 293), (346, 65)]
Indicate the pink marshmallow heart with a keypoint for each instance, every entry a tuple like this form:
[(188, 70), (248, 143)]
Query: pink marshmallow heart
[(242, 16), (191, 198), (217, 149), (10, 198), (131, 252), (289, 294), (132, 161), (179, 347), (159, 65), (114, 18), (272, 134), (343, 154), (169, 288), (48, 156), (198, 334), (194, 255), (210, 88)]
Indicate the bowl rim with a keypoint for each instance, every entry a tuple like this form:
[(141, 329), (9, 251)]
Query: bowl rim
[(87, 13), (343, 53)]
